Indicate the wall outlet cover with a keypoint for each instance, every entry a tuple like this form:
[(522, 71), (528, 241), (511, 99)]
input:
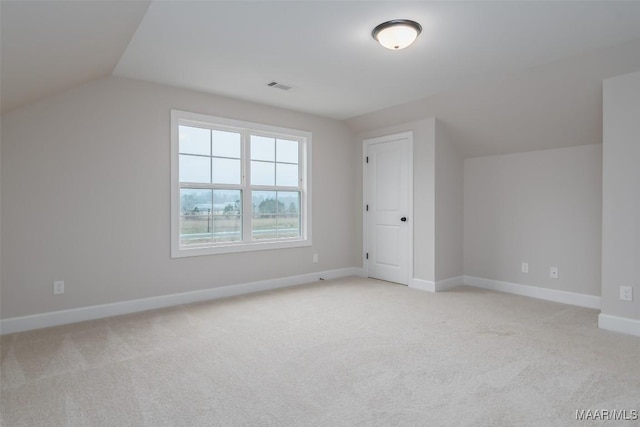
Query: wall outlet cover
[(626, 293), (58, 287)]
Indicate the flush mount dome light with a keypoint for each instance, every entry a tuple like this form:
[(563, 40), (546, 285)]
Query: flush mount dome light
[(396, 34)]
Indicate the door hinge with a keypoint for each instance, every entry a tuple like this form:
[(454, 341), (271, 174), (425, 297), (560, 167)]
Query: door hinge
[(367, 255), (367, 159), (367, 208)]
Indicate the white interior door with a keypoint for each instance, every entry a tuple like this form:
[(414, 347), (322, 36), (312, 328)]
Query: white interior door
[(388, 212)]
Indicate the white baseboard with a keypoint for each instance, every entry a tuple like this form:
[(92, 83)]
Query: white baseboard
[(623, 325), (450, 283), (423, 285), (438, 286), (582, 300), (55, 318)]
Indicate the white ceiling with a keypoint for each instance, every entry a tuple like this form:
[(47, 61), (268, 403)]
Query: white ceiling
[(323, 49)]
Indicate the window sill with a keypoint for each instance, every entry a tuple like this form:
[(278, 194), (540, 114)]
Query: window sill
[(238, 248)]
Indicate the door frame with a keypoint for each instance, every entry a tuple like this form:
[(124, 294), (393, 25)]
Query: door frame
[(408, 135)]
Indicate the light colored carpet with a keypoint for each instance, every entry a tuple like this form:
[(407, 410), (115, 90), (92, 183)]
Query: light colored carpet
[(349, 352)]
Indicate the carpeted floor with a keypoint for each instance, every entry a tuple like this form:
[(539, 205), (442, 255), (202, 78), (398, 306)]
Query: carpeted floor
[(349, 352)]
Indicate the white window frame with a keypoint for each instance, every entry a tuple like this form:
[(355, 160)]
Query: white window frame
[(246, 129)]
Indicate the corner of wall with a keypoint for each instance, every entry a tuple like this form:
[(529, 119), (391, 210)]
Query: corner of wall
[(449, 206), (620, 203)]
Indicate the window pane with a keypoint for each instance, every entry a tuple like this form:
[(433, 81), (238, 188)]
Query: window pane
[(227, 202), (263, 148), (227, 205), (227, 228), (289, 225), (194, 140), (264, 202), (195, 169), (290, 202), (287, 151), (226, 144), (286, 174), (226, 171), (262, 173), (194, 200), (264, 226), (195, 216)]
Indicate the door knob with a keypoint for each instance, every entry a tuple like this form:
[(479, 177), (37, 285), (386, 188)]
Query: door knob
[(403, 219)]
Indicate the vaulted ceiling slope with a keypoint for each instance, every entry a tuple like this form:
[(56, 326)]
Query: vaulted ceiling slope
[(323, 49), (50, 46)]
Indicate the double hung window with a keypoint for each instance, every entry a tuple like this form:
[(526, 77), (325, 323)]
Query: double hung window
[(237, 186)]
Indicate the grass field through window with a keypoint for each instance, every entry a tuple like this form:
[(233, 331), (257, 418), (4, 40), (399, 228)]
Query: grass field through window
[(198, 229)]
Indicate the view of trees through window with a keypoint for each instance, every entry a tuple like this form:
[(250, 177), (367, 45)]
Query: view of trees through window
[(216, 215)]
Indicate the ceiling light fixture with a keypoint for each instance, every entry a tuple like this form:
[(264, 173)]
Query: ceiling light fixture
[(396, 34)]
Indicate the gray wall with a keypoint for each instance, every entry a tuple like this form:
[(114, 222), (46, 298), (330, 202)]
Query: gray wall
[(449, 209), (541, 207), (85, 199), (621, 197)]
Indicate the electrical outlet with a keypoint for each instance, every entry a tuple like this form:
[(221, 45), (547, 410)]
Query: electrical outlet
[(525, 267), (553, 272), (315, 257), (626, 293), (58, 287)]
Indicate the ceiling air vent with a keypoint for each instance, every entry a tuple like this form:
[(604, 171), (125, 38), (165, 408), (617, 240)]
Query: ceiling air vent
[(279, 86)]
